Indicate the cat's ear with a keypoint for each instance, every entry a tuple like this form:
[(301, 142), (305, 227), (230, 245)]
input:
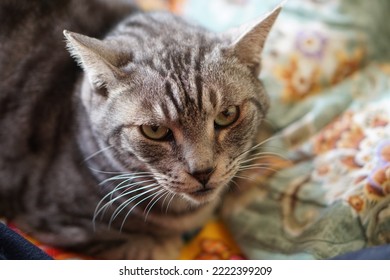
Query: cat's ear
[(96, 58), (249, 43)]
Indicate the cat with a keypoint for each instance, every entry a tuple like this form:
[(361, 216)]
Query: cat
[(119, 160)]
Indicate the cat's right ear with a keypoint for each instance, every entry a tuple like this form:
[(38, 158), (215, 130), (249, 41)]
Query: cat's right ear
[(96, 58)]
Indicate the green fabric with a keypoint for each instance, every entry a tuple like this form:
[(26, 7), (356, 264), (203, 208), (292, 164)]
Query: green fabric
[(334, 195)]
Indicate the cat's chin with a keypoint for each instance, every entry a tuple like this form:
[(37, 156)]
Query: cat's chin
[(201, 197)]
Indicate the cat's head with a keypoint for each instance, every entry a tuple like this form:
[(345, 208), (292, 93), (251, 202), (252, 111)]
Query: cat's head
[(174, 99)]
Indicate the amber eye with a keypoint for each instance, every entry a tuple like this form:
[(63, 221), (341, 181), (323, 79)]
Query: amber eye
[(155, 132), (227, 117)]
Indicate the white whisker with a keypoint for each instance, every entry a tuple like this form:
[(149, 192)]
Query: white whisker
[(126, 191), (127, 175), (162, 192), (98, 152), (138, 203), (255, 158), (169, 202), (129, 201), (117, 188), (260, 167), (258, 145), (270, 153), (244, 178), (106, 172), (166, 196), (234, 182), (103, 208)]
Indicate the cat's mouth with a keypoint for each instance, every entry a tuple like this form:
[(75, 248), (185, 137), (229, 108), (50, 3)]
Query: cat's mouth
[(202, 192)]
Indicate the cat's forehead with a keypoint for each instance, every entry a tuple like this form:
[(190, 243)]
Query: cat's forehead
[(177, 97), (175, 42), (193, 79), (180, 73)]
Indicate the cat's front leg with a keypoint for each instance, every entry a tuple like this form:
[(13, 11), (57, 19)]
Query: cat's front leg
[(144, 247)]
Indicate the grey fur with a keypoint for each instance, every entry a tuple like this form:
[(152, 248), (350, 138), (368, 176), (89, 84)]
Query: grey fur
[(76, 170)]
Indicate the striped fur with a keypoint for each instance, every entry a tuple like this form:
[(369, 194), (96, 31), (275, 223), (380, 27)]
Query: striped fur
[(76, 169)]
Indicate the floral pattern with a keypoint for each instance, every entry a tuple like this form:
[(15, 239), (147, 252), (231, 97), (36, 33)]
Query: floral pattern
[(298, 82), (318, 60), (353, 155), (311, 43)]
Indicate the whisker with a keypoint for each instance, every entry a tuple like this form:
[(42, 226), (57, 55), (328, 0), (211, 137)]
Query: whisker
[(275, 147), (100, 208), (106, 172), (255, 158), (258, 145), (169, 202), (126, 191), (120, 186), (127, 175), (138, 203), (258, 167), (256, 164), (270, 154), (98, 152), (234, 182), (152, 200), (244, 178), (117, 188), (166, 196), (129, 201), (243, 156), (163, 193)]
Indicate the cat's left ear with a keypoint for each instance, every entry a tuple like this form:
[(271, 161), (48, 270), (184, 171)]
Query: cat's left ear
[(97, 59), (249, 43)]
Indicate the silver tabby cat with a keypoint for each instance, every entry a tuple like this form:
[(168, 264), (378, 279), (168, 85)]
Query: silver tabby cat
[(122, 159)]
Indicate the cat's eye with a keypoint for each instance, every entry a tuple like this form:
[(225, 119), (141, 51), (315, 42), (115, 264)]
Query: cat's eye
[(155, 132), (227, 117)]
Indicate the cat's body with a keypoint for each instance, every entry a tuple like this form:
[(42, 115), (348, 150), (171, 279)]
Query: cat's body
[(123, 161)]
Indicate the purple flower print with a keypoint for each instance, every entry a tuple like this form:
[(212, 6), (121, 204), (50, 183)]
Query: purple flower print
[(311, 43), (383, 152)]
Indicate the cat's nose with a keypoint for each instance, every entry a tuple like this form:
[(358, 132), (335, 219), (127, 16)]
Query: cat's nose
[(203, 176)]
